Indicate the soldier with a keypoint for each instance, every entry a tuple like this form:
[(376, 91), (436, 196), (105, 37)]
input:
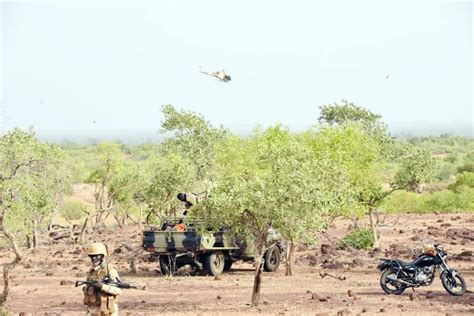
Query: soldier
[(189, 200), (100, 298)]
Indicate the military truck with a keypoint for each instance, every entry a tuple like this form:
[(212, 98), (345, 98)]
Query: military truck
[(210, 251)]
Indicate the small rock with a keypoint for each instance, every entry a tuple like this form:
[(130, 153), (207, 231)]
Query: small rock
[(344, 312), (401, 231), (382, 310), (65, 282), (413, 296), (143, 302), (49, 273), (78, 251), (400, 305), (350, 293), (308, 291), (219, 297), (63, 303), (364, 310), (27, 266), (217, 278)]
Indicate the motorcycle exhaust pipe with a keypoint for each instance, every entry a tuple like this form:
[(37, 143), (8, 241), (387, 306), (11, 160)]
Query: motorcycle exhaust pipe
[(390, 278)]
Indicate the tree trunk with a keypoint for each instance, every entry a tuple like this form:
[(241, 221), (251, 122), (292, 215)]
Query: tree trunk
[(29, 242), (6, 284), (259, 249), (140, 218), (374, 228), (83, 230), (35, 234), (290, 251), (133, 268), (13, 243), (257, 283)]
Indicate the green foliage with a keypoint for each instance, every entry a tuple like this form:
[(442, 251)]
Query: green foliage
[(417, 167), (467, 167), (354, 159), (452, 158), (445, 171), (110, 161), (345, 113), (440, 201), (193, 137), (32, 182), (449, 201), (360, 238), (73, 210), (463, 179), (404, 202), (167, 176), (268, 178)]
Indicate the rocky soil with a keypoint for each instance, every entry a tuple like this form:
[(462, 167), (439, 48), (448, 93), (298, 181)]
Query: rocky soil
[(326, 281)]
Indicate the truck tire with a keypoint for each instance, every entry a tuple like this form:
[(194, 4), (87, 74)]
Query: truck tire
[(272, 259), (168, 264), (213, 263)]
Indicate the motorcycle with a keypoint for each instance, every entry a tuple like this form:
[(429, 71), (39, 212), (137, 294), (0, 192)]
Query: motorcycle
[(397, 275)]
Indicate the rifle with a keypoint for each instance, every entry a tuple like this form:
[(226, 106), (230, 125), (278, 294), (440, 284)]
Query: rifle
[(108, 281)]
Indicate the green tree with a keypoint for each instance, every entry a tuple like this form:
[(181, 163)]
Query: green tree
[(111, 162), (358, 141), (192, 137), (26, 169), (167, 176), (264, 181)]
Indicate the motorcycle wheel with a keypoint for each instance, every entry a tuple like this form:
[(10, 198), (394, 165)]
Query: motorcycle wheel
[(391, 287), (454, 285)]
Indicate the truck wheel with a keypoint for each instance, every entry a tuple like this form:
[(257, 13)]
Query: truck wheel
[(213, 263), (272, 259), (228, 264), (168, 265)]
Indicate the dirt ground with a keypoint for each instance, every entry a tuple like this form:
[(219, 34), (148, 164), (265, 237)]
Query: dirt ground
[(44, 283)]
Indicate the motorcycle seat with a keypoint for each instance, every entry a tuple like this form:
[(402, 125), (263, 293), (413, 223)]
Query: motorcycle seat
[(404, 263)]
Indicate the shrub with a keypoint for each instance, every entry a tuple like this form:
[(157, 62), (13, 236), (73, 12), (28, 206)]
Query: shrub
[(463, 179), (360, 238), (445, 171), (73, 210), (467, 167), (404, 202)]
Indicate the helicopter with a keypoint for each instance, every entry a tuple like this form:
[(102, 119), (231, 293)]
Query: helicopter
[(221, 75)]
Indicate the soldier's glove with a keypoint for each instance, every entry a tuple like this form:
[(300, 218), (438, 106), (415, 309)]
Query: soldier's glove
[(98, 285)]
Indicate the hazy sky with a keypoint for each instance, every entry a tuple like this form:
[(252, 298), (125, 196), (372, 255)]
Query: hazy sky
[(91, 67)]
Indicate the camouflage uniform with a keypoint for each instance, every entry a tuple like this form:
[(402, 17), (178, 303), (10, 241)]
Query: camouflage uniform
[(103, 301)]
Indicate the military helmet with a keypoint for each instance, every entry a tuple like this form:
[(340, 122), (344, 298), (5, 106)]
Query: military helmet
[(429, 249), (97, 248), (182, 197)]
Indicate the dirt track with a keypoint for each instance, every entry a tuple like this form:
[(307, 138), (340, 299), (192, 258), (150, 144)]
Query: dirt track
[(37, 283)]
